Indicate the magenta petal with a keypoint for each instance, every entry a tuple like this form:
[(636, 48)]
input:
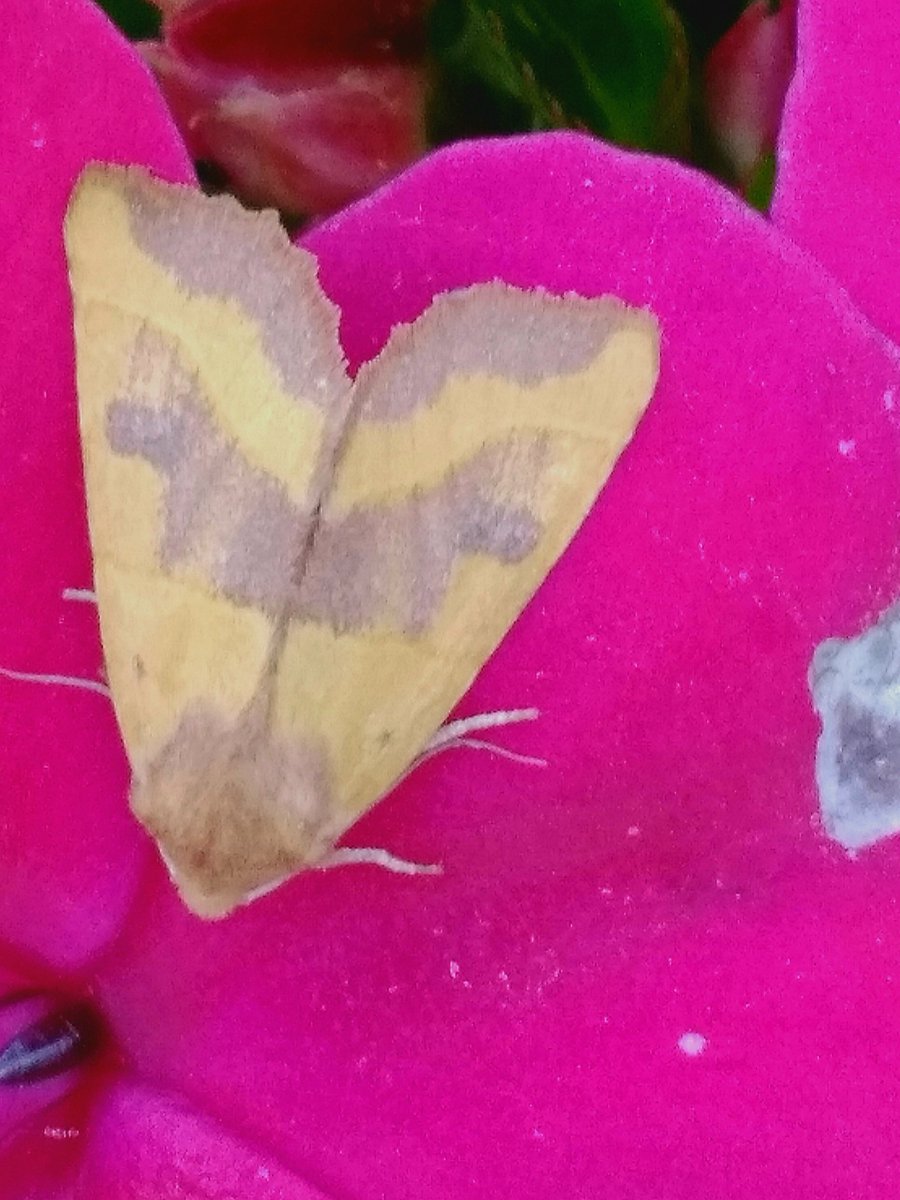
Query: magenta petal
[(145, 1144), (69, 851), (644, 970), (839, 152)]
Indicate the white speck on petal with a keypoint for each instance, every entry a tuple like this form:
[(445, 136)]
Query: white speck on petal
[(692, 1044)]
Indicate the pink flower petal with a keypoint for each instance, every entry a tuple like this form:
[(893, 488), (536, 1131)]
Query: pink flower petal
[(145, 1144), (69, 850), (643, 962), (839, 152)]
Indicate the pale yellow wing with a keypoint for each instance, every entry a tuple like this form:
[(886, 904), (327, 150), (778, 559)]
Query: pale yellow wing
[(299, 577), (211, 389)]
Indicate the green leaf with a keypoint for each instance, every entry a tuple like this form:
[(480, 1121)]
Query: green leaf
[(136, 18), (616, 67), (758, 191)]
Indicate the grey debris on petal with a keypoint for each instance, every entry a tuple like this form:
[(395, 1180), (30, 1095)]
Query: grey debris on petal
[(856, 691)]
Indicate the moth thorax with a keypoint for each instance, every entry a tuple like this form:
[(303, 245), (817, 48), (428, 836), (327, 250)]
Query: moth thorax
[(232, 808)]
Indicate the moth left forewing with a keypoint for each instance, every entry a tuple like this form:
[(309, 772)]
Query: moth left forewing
[(212, 392), (484, 433), (198, 427)]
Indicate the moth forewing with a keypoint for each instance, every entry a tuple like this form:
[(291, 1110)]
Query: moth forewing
[(313, 570)]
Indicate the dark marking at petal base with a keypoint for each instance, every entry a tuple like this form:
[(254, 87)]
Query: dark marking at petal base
[(56, 1043)]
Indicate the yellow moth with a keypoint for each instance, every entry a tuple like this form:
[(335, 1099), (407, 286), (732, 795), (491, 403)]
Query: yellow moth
[(299, 574)]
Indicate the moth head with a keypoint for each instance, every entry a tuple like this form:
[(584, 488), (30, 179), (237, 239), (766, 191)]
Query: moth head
[(234, 810)]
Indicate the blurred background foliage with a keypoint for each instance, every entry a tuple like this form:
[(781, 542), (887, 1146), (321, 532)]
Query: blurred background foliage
[(629, 71), (136, 18)]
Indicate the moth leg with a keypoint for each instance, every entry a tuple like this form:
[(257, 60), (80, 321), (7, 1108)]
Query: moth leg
[(491, 720), (455, 735), (345, 856), (86, 596), (528, 760), (75, 681)]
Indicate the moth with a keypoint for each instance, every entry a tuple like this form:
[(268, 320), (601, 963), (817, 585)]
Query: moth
[(298, 573)]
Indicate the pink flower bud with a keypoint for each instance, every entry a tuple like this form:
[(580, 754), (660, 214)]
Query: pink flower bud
[(746, 79)]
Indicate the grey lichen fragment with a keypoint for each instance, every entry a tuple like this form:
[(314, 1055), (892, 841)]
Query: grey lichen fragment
[(855, 685)]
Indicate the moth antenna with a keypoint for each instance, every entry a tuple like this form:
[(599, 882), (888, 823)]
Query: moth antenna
[(345, 856), (264, 889), (74, 681), (85, 595), (454, 730)]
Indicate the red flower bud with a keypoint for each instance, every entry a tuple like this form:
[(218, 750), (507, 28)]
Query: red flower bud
[(746, 80), (299, 109)]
